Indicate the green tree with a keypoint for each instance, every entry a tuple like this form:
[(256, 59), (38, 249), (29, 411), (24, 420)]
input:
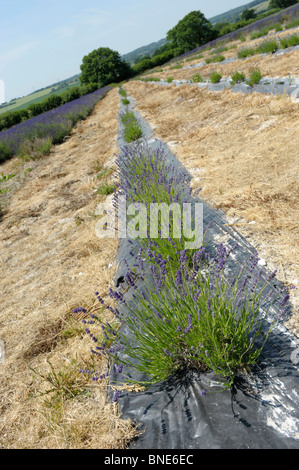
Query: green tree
[(103, 66), (192, 31), (248, 14), (282, 3)]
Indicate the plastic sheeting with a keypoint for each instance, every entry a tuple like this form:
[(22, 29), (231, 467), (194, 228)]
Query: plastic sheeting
[(261, 410)]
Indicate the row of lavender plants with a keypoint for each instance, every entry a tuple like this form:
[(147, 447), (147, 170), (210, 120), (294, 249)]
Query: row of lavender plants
[(53, 125), (292, 12), (191, 312)]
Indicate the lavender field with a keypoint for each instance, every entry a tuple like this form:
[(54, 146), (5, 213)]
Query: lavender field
[(54, 124)]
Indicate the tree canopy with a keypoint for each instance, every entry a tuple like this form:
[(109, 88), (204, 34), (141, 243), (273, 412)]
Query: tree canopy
[(248, 14), (192, 31), (103, 66), (282, 3)]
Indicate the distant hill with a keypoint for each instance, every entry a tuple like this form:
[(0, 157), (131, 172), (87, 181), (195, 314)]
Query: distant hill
[(147, 50), (233, 15)]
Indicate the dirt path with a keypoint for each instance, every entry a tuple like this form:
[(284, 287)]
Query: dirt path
[(51, 263)]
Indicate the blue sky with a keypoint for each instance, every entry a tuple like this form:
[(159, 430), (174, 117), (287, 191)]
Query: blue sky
[(42, 41)]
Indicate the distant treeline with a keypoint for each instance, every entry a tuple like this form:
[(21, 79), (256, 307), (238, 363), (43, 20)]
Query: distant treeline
[(166, 52), (11, 118)]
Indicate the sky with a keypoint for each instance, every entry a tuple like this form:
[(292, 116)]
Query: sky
[(42, 41)]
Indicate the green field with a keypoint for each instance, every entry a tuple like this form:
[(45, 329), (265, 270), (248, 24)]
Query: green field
[(262, 7), (40, 95)]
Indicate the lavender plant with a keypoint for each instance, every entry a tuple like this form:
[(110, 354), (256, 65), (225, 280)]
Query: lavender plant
[(215, 77), (254, 77), (147, 177), (131, 127), (191, 317)]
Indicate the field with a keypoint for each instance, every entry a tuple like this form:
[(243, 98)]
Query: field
[(38, 96), (242, 150)]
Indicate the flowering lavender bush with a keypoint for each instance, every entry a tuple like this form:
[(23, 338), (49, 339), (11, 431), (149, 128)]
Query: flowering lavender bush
[(147, 177), (190, 317), (190, 312), (54, 124)]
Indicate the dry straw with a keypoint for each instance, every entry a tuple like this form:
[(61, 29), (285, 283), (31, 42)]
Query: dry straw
[(51, 262)]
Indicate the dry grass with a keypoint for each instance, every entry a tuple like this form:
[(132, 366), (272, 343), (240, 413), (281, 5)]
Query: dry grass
[(243, 151), (52, 262)]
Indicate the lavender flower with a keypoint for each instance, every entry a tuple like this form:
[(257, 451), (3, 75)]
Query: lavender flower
[(54, 124), (116, 396), (178, 278)]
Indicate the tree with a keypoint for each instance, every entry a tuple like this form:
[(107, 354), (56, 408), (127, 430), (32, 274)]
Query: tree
[(282, 3), (248, 14), (192, 31), (103, 66)]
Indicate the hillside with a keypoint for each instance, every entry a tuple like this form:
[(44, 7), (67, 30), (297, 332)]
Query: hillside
[(231, 16), (147, 50)]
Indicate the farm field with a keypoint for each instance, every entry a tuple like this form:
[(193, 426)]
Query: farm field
[(242, 150), (37, 97)]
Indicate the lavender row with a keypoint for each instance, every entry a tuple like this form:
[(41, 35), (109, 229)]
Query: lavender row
[(54, 124)]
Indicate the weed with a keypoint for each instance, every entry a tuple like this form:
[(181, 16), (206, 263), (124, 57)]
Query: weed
[(215, 77), (237, 77), (5, 178), (246, 53), (125, 101), (289, 41), (106, 188), (197, 78), (122, 92), (267, 47), (132, 128), (218, 58), (254, 77), (169, 79)]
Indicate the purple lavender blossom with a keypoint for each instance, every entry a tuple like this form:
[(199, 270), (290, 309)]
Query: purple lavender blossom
[(116, 396), (54, 124)]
